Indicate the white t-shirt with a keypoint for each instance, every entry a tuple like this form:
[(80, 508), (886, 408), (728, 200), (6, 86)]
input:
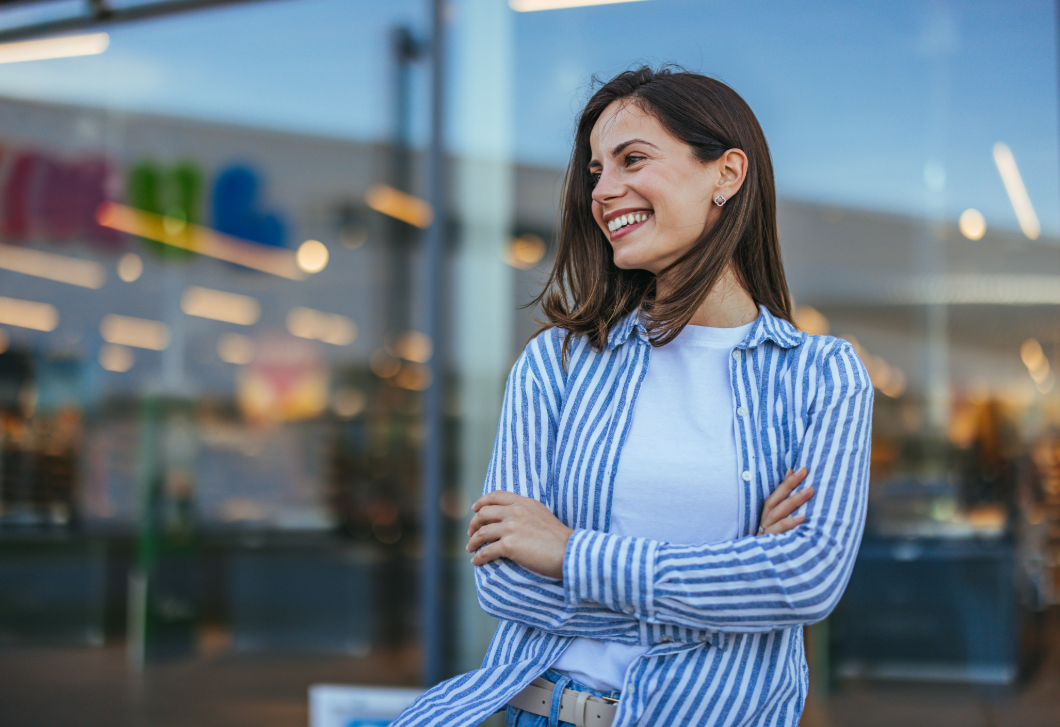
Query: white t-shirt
[(677, 475)]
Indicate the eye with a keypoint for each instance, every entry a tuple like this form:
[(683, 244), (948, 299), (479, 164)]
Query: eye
[(632, 159), (594, 177)]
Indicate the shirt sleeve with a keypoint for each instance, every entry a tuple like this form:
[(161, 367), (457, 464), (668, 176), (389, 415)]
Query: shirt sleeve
[(753, 584), (521, 463)]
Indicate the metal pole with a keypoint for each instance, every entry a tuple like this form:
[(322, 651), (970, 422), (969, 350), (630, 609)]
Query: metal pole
[(431, 600)]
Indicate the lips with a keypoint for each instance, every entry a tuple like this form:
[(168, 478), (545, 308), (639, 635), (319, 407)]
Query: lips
[(622, 222)]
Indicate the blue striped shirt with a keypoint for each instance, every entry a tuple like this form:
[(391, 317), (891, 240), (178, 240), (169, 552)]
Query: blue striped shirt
[(724, 620)]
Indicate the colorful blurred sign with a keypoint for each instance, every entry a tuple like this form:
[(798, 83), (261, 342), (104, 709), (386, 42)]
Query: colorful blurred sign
[(44, 195)]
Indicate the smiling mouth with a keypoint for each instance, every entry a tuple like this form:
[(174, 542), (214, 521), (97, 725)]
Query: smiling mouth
[(627, 220), (624, 224)]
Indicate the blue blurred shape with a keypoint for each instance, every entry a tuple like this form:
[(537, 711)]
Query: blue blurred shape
[(236, 200)]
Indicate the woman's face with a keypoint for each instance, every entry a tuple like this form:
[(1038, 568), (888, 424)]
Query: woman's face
[(653, 199)]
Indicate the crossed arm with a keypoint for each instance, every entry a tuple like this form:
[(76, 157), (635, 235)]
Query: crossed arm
[(522, 529), (533, 569)]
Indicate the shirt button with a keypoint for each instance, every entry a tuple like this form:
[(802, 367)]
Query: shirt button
[(742, 411), (736, 355), (746, 475), (705, 638), (665, 639), (631, 688), (628, 609)]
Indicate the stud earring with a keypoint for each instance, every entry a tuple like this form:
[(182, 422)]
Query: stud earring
[(719, 200)]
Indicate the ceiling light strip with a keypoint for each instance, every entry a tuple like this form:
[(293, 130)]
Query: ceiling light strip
[(60, 268), (220, 305), (1017, 192), (66, 46), (399, 205), (28, 314), (136, 332), (529, 6), (198, 239)]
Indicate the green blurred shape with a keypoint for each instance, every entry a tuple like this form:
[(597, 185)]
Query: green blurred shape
[(174, 192)]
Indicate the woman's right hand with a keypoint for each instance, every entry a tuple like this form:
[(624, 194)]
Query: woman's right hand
[(776, 514)]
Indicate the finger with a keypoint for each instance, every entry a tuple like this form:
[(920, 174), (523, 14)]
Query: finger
[(487, 553), (497, 497), (778, 494), (488, 514), (783, 526), (789, 483), (491, 513), (793, 503), (487, 534)]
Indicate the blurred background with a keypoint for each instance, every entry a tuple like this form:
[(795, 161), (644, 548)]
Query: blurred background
[(259, 295)]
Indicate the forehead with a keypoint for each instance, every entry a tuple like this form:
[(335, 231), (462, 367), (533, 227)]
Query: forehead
[(624, 120)]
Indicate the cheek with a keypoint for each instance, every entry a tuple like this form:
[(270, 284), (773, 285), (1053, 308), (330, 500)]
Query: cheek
[(598, 214)]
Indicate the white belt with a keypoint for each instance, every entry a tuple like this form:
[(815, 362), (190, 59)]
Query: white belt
[(581, 709)]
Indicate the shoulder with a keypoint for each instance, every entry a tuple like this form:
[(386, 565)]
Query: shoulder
[(542, 356), (834, 366)]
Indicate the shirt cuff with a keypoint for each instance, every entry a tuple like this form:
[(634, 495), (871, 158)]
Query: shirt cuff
[(613, 570)]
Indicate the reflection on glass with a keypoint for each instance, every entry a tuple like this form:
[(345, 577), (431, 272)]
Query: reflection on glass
[(136, 332), (312, 256), (67, 46), (115, 357), (235, 348), (525, 251), (28, 314), (972, 224), (130, 267), (332, 328), (60, 268), (1017, 192), (220, 305), (399, 205)]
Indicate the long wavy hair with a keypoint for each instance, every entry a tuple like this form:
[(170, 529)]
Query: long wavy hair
[(586, 293)]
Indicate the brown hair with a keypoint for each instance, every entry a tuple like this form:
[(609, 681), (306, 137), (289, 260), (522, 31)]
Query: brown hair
[(586, 293)]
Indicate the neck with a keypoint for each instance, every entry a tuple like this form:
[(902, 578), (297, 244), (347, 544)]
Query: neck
[(727, 305)]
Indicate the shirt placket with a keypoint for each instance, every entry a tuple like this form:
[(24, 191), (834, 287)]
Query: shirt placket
[(744, 451)]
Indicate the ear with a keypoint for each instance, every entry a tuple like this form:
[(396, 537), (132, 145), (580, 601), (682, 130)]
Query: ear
[(732, 170)]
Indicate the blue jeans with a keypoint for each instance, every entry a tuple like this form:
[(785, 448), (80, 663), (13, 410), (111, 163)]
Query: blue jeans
[(516, 717)]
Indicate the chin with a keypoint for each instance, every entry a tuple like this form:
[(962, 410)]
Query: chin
[(626, 262)]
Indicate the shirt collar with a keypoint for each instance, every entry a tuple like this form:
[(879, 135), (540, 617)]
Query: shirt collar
[(767, 327)]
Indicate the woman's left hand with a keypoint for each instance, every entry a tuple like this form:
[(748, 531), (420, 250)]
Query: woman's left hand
[(519, 528)]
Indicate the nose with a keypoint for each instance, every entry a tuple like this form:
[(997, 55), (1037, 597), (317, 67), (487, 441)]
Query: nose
[(608, 187)]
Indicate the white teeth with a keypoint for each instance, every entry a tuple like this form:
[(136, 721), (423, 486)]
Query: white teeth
[(630, 219)]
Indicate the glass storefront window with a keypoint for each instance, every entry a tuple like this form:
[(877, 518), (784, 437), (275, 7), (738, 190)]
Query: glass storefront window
[(212, 359)]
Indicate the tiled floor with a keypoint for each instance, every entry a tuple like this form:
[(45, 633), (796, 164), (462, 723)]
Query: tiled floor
[(89, 687)]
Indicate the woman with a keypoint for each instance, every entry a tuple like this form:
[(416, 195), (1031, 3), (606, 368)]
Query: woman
[(628, 590)]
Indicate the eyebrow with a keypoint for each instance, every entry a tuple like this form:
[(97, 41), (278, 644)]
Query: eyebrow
[(618, 149)]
